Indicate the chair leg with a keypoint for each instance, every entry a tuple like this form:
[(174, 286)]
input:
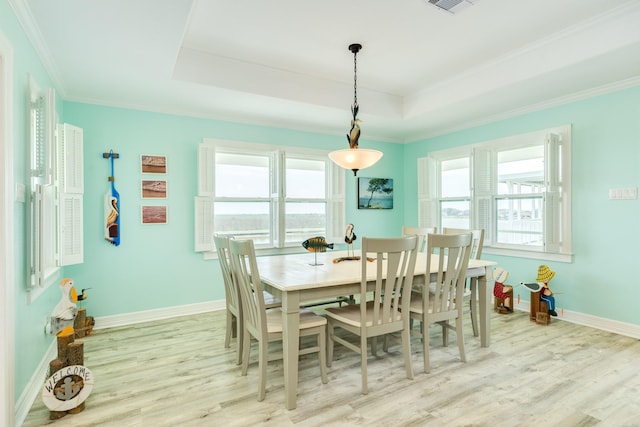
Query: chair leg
[(425, 345), (329, 343), (227, 335), (374, 346), (262, 368), (363, 363), (460, 336), (322, 354), (406, 350), (445, 333), (246, 339), (239, 339), (473, 306)]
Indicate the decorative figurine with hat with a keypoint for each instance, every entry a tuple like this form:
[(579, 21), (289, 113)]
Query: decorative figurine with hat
[(502, 291), (545, 274)]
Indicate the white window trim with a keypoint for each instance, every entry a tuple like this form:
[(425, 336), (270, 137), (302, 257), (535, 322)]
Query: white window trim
[(204, 201), (428, 185)]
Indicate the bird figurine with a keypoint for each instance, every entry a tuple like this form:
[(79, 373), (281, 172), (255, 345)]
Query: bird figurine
[(354, 134), (349, 238), (83, 295), (65, 311)]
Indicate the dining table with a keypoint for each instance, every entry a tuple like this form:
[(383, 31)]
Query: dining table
[(302, 278)]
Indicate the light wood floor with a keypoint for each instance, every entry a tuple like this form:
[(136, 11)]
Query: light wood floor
[(178, 373)]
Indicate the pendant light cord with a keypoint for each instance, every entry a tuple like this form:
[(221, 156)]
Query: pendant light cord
[(355, 84)]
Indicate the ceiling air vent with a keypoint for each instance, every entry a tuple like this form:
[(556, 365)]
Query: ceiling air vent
[(452, 6)]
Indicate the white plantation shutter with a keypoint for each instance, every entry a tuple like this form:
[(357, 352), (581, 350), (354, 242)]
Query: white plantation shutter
[(206, 170), (70, 164), (203, 203), (427, 192), (552, 211), (36, 269), (336, 221), (70, 171), (203, 208), (482, 190), (71, 231)]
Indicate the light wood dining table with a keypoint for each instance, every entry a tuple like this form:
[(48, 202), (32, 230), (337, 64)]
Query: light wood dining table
[(295, 280)]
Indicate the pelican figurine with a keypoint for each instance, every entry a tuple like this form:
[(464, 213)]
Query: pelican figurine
[(65, 311), (354, 134)]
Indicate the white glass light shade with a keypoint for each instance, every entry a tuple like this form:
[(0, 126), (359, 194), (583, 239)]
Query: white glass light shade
[(355, 158)]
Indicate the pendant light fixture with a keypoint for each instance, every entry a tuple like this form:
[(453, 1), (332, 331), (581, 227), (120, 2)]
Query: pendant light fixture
[(355, 158)]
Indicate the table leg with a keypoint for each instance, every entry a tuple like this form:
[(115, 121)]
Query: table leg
[(485, 317), (290, 344)]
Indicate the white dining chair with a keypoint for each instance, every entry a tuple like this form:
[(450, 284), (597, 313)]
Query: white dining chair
[(234, 318), (443, 302), (265, 325), (234, 325), (419, 231), (470, 293), (381, 311)]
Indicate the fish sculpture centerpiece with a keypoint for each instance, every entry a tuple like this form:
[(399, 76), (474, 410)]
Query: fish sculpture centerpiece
[(315, 245)]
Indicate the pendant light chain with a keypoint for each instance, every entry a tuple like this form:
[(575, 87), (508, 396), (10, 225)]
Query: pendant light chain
[(355, 158), (355, 79)]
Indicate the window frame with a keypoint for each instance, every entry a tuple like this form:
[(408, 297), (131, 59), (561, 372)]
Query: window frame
[(206, 198), (556, 229)]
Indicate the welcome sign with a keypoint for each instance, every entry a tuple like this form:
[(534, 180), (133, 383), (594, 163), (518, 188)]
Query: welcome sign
[(67, 388)]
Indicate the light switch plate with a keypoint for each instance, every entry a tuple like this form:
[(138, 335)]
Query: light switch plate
[(628, 193)]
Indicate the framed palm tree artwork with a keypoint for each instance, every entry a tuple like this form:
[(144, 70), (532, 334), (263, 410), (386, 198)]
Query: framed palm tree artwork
[(375, 193)]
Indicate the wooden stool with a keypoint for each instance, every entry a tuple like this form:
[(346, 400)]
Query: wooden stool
[(538, 310), (499, 304)]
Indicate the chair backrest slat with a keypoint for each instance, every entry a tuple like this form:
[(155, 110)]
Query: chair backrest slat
[(395, 261), (453, 251), (419, 231), (231, 291), (245, 270), (477, 241)]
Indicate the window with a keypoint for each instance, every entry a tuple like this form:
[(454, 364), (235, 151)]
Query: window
[(455, 200), (54, 202), (277, 196), (518, 189)]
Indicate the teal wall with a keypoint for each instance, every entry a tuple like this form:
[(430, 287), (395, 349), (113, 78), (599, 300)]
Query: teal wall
[(605, 154)]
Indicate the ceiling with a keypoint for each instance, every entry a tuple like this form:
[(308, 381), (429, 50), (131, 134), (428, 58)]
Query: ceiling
[(422, 71)]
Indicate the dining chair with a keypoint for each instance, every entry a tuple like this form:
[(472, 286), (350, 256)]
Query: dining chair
[(232, 296), (235, 324), (441, 304), (381, 309), (263, 324), (470, 292), (419, 231)]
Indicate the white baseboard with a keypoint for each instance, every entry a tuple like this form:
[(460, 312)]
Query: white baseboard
[(620, 328), (157, 314)]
